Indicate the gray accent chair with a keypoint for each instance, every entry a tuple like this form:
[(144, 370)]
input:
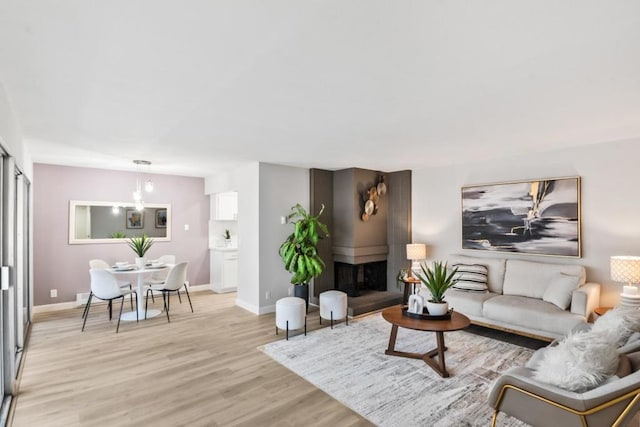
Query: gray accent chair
[(613, 403), (517, 394)]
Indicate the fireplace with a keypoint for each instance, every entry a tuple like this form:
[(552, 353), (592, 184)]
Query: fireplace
[(353, 278)]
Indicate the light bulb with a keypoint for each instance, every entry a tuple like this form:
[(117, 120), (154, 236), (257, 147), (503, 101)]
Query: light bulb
[(148, 186), (137, 196), (139, 205), (115, 209)]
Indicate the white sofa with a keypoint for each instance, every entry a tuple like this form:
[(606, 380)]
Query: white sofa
[(527, 297)]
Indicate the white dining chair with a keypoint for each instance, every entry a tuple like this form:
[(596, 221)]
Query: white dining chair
[(158, 277), (175, 280), (103, 265), (104, 286)]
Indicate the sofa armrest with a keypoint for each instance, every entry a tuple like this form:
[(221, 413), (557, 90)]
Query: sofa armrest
[(585, 299)]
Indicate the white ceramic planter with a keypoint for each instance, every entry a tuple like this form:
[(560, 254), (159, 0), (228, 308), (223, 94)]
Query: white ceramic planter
[(437, 309), (140, 262)]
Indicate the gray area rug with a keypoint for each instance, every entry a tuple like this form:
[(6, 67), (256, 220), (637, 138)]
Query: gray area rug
[(349, 364)]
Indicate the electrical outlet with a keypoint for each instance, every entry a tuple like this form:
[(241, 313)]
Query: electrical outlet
[(53, 293), (267, 295)]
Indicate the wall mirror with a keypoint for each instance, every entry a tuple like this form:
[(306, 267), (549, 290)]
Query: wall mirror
[(115, 222)]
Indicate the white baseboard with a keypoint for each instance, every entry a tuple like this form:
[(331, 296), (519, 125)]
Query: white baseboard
[(199, 288), (249, 307), (268, 309), (54, 307), (82, 298)]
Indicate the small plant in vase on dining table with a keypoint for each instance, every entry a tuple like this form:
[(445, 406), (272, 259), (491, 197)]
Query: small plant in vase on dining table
[(140, 245)]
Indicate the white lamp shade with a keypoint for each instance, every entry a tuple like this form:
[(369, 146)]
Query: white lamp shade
[(625, 269), (416, 251)]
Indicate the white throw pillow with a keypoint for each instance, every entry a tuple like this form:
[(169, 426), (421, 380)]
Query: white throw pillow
[(560, 290), (580, 362), (471, 277), (620, 323)]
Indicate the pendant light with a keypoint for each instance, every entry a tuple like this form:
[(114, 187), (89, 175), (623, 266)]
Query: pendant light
[(148, 185)]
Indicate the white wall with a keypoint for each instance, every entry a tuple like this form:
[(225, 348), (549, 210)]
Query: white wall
[(610, 203), (281, 187), (266, 192), (246, 180), (11, 136)]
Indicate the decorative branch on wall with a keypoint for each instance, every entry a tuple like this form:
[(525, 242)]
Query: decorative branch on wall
[(531, 217), (371, 197)]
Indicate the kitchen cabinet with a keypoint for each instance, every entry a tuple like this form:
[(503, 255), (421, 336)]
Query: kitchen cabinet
[(227, 206), (224, 270)]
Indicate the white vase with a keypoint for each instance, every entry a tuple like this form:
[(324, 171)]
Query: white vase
[(437, 308), (416, 304), (140, 262)]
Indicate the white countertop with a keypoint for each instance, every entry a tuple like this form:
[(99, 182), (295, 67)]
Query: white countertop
[(224, 249)]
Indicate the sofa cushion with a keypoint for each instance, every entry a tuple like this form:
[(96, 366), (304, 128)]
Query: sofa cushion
[(579, 362), (469, 303), (531, 279), (530, 312), (495, 269), (470, 277), (560, 290)]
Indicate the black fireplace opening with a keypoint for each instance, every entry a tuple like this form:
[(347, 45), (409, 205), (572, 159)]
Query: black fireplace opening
[(353, 278)]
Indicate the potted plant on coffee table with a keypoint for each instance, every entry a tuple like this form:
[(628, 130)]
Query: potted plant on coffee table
[(140, 245), (299, 252), (437, 280)]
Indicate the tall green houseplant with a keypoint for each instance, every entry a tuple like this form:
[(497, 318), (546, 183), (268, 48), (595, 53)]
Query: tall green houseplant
[(299, 252)]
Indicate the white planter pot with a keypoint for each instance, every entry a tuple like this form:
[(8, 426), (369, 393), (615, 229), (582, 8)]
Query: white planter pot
[(140, 262), (436, 308)]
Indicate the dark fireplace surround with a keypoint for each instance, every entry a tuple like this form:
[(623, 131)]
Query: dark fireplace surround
[(353, 278)]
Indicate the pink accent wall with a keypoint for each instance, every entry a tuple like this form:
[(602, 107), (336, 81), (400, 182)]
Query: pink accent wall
[(59, 265)]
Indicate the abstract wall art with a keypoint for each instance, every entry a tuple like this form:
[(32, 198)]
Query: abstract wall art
[(531, 217)]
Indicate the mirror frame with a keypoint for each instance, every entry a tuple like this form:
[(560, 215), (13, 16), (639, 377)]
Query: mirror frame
[(72, 221)]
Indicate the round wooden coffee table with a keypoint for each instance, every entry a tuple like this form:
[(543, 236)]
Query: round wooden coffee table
[(394, 316)]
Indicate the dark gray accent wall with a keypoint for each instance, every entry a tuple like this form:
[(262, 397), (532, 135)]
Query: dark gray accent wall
[(399, 224), (322, 193), (357, 241), (384, 236), (372, 232), (344, 209)]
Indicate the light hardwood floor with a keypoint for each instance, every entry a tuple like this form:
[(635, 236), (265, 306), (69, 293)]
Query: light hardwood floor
[(202, 369)]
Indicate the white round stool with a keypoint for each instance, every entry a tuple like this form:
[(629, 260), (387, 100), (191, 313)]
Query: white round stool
[(333, 306), (291, 313)]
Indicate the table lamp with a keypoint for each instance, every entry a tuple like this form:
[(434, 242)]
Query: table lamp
[(415, 253), (626, 269)]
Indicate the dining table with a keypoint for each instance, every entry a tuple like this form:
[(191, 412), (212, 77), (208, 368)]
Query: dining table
[(140, 273)]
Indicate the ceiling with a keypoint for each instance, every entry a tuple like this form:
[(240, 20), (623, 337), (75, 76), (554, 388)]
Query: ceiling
[(198, 87)]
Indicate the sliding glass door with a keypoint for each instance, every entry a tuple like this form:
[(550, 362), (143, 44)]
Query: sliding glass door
[(15, 276), (21, 250), (6, 355)]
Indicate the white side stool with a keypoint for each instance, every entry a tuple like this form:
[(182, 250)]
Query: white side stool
[(291, 313), (333, 306)]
